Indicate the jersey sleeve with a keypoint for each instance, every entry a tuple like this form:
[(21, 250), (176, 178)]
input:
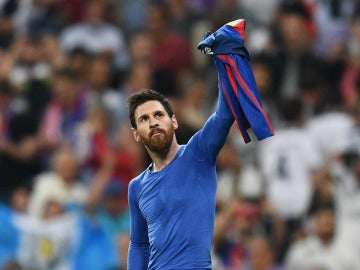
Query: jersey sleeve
[(138, 255), (209, 140)]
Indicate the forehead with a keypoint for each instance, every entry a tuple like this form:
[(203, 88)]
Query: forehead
[(148, 107)]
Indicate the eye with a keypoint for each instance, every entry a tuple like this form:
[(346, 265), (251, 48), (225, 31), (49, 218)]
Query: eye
[(143, 119), (158, 114)]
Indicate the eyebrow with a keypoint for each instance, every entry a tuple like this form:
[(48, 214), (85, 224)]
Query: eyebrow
[(154, 112)]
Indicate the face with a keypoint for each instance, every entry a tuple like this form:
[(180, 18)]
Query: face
[(325, 224), (94, 11), (65, 166), (141, 47), (99, 73), (52, 209), (19, 200), (155, 128), (261, 256), (64, 90), (292, 27)]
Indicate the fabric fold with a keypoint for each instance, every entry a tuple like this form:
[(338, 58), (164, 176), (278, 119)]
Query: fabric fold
[(236, 78)]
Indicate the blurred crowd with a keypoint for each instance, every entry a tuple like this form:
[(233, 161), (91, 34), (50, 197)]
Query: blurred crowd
[(289, 202)]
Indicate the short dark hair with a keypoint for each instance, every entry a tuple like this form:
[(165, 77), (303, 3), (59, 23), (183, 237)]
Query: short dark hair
[(143, 95), (294, 8)]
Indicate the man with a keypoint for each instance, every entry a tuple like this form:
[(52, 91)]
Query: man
[(262, 254), (323, 248), (172, 203)]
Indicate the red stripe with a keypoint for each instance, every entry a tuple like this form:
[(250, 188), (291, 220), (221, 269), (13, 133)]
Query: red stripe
[(232, 79), (233, 85), (246, 88), (239, 26), (234, 113)]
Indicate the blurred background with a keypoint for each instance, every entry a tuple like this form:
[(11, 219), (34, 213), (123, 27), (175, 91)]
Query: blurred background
[(67, 154)]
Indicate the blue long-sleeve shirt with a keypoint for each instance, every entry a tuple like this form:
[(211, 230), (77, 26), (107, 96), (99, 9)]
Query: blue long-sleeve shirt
[(173, 210), (237, 79)]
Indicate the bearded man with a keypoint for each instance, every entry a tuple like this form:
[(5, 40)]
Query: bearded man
[(172, 203)]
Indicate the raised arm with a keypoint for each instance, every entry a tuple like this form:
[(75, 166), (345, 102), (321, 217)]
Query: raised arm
[(138, 255), (211, 138)]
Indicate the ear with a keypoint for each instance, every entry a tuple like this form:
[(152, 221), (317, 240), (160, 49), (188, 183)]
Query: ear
[(174, 122), (136, 135)]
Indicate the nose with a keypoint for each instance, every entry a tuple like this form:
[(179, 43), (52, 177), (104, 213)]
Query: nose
[(153, 122)]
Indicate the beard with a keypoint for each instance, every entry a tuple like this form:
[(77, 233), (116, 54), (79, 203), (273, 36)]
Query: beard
[(160, 143)]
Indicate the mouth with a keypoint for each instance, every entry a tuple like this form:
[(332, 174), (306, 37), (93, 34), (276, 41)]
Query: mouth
[(156, 132)]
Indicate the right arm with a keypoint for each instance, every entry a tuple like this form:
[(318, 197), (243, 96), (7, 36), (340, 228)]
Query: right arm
[(138, 255)]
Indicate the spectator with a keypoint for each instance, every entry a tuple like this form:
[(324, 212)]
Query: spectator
[(65, 111), (98, 83), (229, 165), (78, 60), (181, 17), (114, 217), (237, 222), (96, 35), (141, 46), (321, 249), (27, 66), (20, 199), (346, 192), (45, 16), (288, 161), (11, 265), (263, 254), (195, 94), (227, 11), (294, 51), (59, 238), (171, 51), (352, 67), (130, 158), (92, 140), (60, 183), (16, 144), (261, 66), (140, 75), (332, 20), (127, 13), (7, 22), (337, 125)]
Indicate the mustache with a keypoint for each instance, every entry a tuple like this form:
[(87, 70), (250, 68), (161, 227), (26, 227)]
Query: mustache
[(155, 130)]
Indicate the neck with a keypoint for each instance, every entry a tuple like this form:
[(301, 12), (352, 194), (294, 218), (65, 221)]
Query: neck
[(160, 161)]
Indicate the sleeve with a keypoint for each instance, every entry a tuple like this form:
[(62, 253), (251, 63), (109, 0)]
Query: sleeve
[(138, 255), (210, 139)]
